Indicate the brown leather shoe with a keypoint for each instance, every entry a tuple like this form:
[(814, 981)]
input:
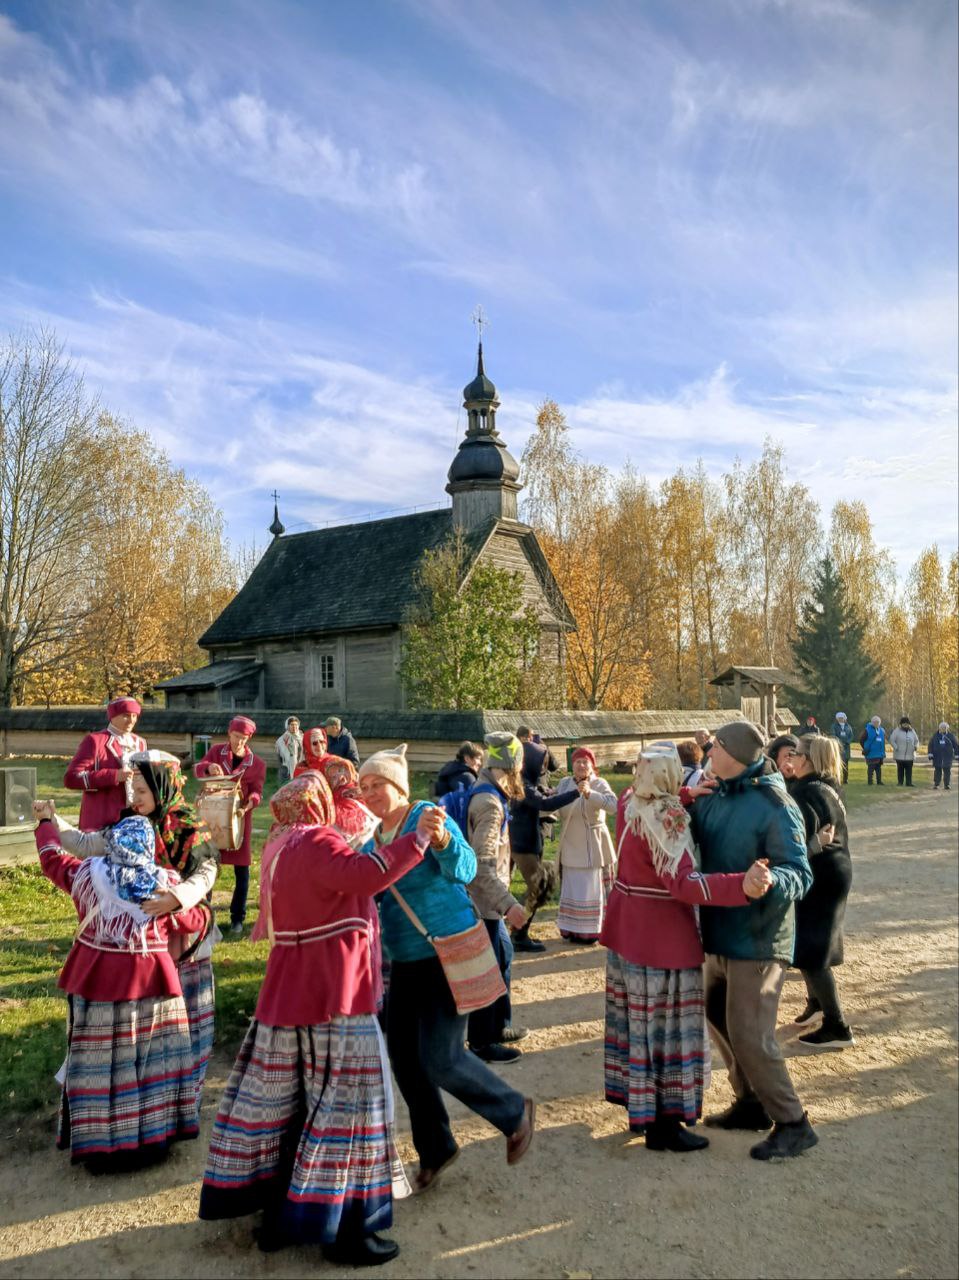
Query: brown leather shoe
[(518, 1144), (426, 1178)]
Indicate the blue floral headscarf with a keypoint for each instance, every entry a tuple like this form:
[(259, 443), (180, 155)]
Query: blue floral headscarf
[(130, 865)]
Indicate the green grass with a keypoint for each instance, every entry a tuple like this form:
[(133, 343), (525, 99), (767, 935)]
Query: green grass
[(37, 923)]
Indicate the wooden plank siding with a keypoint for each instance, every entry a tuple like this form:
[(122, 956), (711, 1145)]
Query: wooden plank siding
[(506, 551), (372, 675)]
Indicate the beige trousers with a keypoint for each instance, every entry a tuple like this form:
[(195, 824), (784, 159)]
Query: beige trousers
[(742, 1003)]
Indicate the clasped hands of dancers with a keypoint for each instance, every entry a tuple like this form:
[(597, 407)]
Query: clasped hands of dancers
[(303, 1132)]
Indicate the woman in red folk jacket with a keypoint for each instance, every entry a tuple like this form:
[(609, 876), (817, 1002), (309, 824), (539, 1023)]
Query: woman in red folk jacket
[(129, 1088), (303, 1130), (655, 1011), (235, 759), (101, 768)]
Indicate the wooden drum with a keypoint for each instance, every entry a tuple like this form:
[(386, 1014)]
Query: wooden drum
[(219, 806)]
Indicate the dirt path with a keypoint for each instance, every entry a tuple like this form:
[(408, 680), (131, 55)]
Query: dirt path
[(877, 1197)]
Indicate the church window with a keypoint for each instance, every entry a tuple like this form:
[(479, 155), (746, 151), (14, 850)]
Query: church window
[(326, 671)]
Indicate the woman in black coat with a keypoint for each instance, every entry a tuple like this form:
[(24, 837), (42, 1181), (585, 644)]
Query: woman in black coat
[(813, 772), (526, 848)]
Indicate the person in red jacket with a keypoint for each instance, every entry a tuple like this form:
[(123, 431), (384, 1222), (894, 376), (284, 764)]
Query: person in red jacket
[(234, 759), (129, 1087), (655, 1010), (101, 768), (303, 1130)]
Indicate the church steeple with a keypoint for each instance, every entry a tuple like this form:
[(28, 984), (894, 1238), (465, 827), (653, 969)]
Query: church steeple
[(277, 528), (484, 476)]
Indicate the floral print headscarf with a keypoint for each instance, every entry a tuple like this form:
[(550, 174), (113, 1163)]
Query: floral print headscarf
[(655, 811)]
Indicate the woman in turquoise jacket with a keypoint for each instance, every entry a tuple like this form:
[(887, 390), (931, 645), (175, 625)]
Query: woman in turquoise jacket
[(425, 1034), (874, 749)]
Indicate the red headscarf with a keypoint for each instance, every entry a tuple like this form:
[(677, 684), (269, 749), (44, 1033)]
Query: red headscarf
[(304, 802), (352, 816), (312, 761)]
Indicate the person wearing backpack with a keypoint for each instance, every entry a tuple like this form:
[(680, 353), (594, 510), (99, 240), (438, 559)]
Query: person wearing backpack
[(491, 1035)]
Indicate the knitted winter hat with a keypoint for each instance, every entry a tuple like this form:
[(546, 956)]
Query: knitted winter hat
[(390, 764), (503, 750), (742, 741)]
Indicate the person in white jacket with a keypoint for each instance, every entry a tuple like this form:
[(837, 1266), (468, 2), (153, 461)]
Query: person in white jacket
[(289, 749), (586, 855), (904, 741)]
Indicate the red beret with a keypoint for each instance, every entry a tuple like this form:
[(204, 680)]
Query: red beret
[(123, 707), (243, 724)]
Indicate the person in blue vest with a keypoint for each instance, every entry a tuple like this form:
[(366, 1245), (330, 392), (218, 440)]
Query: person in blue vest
[(943, 749), (873, 742), (842, 732)]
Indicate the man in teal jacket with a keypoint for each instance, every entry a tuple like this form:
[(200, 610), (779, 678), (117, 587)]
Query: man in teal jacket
[(748, 949)]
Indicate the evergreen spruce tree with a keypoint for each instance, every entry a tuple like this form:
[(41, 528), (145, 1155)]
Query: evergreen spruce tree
[(835, 672)]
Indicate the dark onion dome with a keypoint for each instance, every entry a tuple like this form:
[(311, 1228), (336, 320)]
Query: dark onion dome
[(483, 458), (480, 388), (277, 528)]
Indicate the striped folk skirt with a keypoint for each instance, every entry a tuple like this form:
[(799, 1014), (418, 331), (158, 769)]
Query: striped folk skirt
[(582, 902), (129, 1080), (196, 979), (656, 1049), (304, 1131)]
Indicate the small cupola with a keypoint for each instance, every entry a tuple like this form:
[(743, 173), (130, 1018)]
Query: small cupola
[(484, 476), (277, 528)]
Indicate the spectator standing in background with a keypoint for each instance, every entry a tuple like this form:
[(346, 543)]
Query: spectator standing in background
[(691, 758), (943, 749), (810, 728), (339, 740), (289, 749), (873, 742), (704, 742), (460, 773), (538, 761), (842, 732), (904, 741)]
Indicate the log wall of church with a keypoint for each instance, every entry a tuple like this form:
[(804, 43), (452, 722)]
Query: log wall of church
[(372, 675)]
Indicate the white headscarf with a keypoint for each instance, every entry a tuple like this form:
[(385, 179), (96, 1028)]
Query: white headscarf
[(655, 812)]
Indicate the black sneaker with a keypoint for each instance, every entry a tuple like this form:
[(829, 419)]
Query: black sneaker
[(807, 1015), (500, 1053), (786, 1140), (745, 1113), (835, 1035), (366, 1251), (512, 1034)]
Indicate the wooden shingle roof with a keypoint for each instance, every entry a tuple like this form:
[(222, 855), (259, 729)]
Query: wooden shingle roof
[(212, 676), (348, 578), (758, 675)]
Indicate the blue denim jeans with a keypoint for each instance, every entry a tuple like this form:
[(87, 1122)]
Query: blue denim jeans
[(426, 1038)]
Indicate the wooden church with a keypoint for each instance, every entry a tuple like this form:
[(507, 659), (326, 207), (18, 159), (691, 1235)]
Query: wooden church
[(319, 623)]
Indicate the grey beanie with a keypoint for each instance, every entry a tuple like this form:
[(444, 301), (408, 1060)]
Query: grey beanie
[(742, 741)]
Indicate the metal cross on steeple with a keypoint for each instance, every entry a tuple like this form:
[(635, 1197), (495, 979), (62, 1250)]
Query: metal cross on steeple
[(479, 319)]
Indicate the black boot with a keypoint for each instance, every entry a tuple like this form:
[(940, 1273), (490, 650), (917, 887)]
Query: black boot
[(745, 1113), (354, 1248), (523, 942), (667, 1133), (361, 1251), (790, 1139)]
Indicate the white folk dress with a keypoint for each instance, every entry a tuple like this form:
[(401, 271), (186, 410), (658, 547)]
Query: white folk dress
[(586, 859)]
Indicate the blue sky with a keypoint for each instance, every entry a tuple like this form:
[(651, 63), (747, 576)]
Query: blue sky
[(261, 228)]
